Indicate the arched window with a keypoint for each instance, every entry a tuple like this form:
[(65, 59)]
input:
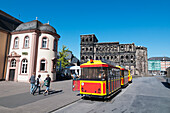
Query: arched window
[(86, 57), (86, 49), (86, 39), (100, 58), (91, 57), (55, 45), (90, 39), (96, 49), (82, 39), (24, 66), (13, 63), (42, 65), (82, 57), (96, 58), (16, 42), (111, 57), (44, 42), (26, 42), (91, 49)]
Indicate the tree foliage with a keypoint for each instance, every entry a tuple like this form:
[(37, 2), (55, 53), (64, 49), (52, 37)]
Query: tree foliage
[(62, 57)]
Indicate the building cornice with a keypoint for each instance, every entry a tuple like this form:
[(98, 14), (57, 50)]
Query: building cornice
[(38, 31)]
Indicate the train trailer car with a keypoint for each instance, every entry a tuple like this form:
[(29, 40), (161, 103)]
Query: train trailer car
[(124, 76), (99, 79), (76, 85), (129, 77)]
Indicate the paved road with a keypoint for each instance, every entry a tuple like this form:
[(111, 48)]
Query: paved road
[(15, 97), (144, 95)]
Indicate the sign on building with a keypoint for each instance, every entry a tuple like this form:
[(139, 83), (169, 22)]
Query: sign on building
[(154, 65)]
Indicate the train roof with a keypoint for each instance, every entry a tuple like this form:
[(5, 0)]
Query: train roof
[(121, 68), (97, 63)]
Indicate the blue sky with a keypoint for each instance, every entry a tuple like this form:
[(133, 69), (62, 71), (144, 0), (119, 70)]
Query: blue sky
[(143, 22)]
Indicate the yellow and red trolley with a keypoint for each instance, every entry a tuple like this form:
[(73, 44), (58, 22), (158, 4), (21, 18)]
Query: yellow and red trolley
[(99, 79), (124, 76)]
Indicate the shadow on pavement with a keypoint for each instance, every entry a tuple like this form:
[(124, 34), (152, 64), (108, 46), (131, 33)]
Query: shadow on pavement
[(21, 99), (51, 92), (100, 99), (166, 84), (54, 92)]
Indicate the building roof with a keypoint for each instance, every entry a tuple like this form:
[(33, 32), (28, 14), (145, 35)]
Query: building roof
[(7, 22), (160, 58), (108, 43), (35, 25)]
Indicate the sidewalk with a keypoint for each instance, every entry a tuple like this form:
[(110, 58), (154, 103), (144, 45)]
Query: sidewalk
[(16, 98)]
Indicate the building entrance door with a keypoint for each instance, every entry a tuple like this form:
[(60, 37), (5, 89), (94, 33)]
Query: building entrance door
[(11, 74)]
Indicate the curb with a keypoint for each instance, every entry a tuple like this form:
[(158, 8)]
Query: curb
[(64, 106)]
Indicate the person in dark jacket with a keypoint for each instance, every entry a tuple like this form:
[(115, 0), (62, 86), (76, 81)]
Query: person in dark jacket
[(37, 85), (32, 82), (47, 84)]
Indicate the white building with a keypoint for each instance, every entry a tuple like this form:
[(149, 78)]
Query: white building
[(33, 49)]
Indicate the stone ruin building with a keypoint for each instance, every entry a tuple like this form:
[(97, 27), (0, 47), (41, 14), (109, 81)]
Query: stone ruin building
[(130, 56)]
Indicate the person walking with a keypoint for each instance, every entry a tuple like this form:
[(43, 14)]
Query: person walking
[(32, 82), (47, 84), (37, 85)]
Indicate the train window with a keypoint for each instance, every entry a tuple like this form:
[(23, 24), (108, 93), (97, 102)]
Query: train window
[(94, 73)]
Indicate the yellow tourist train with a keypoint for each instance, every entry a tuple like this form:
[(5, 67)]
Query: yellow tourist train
[(100, 79)]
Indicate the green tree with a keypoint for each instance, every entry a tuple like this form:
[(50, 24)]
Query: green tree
[(62, 57)]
